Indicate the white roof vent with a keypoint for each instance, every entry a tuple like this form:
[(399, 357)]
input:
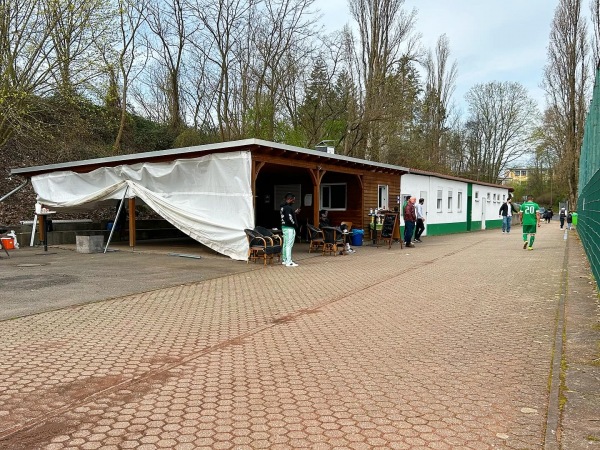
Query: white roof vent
[(326, 147)]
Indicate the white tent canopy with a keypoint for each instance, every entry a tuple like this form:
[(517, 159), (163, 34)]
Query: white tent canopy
[(209, 198)]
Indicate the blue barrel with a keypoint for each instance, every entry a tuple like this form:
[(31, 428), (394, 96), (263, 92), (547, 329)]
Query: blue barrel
[(357, 237)]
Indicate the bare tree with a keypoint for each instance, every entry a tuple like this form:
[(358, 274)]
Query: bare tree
[(25, 70), (566, 82), (78, 25), (168, 22), (595, 17), (439, 86), (221, 44), (500, 123), (281, 42), (131, 58), (385, 37)]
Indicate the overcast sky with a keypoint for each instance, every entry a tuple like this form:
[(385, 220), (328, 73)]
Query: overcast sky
[(491, 40)]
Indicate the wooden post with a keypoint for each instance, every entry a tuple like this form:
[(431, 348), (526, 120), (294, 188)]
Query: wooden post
[(132, 222), (43, 231), (316, 176)]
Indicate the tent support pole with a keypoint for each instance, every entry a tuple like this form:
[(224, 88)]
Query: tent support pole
[(33, 227), (112, 230), (132, 223), (14, 190)]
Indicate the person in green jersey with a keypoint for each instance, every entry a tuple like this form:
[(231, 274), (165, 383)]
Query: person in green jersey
[(530, 218)]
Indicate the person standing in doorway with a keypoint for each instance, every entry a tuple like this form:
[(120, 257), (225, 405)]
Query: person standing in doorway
[(530, 218), (410, 217), (506, 213), (288, 228), (420, 220)]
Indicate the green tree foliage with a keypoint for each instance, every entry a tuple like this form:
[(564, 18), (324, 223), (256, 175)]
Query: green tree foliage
[(323, 115)]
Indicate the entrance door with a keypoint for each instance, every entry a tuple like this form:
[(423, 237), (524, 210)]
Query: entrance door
[(469, 205), (483, 210)]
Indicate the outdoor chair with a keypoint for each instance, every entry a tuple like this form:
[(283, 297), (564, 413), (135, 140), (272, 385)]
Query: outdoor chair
[(316, 238), (260, 247), (276, 240), (333, 239)]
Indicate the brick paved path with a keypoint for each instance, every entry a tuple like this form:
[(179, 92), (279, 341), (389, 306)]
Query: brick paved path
[(444, 346)]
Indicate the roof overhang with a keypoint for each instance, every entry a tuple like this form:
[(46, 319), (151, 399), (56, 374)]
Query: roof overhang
[(265, 149)]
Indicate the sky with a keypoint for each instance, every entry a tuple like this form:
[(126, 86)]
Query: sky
[(491, 40)]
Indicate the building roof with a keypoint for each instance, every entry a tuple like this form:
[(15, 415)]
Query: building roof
[(263, 147), (255, 145), (450, 177)]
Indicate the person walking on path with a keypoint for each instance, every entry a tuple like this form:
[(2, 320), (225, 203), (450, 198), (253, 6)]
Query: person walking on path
[(288, 228), (506, 213), (562, 216), (410, 217), (570, 220), (420, 220), (530, 218)]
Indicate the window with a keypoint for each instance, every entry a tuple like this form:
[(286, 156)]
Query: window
[(333, 196), (439, 200), (494, 198), (503, 198), (449, 200), (382, 196), (489, 197), (282, 189), (459, 201)]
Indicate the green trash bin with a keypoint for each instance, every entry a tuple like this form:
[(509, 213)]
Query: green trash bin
[(574, 219)]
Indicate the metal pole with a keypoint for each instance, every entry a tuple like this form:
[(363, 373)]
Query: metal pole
[(14, 190), (112, 230), (33, 230)]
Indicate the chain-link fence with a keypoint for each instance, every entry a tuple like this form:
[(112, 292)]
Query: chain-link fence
[(588, 204)]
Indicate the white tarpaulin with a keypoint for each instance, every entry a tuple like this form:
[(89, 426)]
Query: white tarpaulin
[(208, 198)]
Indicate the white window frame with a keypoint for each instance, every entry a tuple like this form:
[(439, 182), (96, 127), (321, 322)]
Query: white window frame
[(489, 197), (383, 196), (476, 196), (450, 199), (503, 198), (459, 201), (328, 200), (440, 200)]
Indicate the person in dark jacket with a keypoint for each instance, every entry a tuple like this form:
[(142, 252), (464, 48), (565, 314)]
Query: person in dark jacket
[(410, 217), (324, 219), (506, 211), (562, 216), (288, 228), (420, 227)]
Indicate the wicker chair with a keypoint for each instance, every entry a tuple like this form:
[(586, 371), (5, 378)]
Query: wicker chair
[(334, 240), (260, 247), (276, 240), (316, 236)]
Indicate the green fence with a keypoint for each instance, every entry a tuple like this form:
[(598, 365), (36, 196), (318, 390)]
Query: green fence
[(588, 203), (588, 222)]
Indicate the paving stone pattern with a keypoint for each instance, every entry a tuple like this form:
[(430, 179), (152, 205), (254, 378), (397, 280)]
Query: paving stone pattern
[(444, 346)]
